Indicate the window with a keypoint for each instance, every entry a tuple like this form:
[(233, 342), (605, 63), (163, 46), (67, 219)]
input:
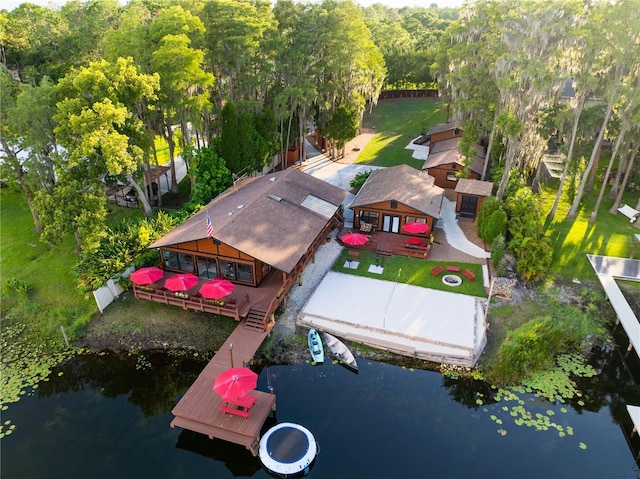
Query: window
[(394, 205), (245, 272), (185, 262), (207, 267), (370, 217), (228, 270), (414, 219), (170, 259), (452, 177), (237, 271)]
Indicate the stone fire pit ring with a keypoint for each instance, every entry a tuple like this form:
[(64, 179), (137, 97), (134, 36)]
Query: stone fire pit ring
[(452, 280)]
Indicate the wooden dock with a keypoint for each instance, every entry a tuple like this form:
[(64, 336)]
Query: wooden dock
[(608, 269), (199, 409)]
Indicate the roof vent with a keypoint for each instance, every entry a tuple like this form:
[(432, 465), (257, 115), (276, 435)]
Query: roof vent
[(229, 213), (274, 197), (272, 179), (240, 207)]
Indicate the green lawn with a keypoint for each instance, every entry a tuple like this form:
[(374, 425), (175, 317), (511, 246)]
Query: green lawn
[(398, 123), (414, 271), (162, 150), (49, 271), (609, 235)]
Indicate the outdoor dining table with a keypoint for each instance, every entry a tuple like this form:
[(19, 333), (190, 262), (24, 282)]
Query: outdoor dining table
[(239, 406), (414, 241)]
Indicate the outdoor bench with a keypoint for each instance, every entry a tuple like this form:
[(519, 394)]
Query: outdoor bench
[(436, 270), (453, 268), (237, 412), (469, 274)]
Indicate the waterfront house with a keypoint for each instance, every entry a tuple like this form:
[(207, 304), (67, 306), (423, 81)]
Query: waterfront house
[(262, 234)]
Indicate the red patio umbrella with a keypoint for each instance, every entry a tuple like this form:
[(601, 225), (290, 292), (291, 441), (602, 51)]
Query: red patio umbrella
[(181, 282), (415, 227), (217, 288), (235, 383), (146, 275), (354, 239)]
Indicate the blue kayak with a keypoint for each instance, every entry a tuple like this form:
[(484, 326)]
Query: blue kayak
[(315, 346)]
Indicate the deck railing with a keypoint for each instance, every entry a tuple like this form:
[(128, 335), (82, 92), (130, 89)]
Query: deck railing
[(194, 303)]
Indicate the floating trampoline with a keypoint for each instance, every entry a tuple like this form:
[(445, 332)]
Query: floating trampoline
[(288, 450)]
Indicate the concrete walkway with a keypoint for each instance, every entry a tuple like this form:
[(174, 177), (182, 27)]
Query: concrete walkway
[(455, 236)]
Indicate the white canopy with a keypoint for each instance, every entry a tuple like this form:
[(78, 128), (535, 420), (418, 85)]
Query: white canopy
[(629, 212)]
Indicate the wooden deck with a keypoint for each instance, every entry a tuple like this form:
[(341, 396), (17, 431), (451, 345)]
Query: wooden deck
[(389, 244), (199, 409), (238, 305)]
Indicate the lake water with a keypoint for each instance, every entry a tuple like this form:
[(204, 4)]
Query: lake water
[(107, 416)]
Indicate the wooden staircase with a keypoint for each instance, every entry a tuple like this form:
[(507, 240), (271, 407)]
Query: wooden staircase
[(256, 319)]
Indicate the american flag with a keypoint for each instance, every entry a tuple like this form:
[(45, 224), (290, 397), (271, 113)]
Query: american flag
[(209, 226)]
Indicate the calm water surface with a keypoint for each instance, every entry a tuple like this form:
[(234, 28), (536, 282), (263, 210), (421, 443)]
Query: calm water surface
[(108, 417)]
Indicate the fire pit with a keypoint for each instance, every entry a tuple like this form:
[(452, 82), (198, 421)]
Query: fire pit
[(452, 280)]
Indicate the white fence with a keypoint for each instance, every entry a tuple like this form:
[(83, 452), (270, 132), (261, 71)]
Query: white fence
[(104, 296)]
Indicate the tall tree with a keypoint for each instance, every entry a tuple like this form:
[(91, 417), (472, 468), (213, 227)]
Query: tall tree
[(230, 137), (183, 88), (630, 119), (31, 41), (98, 124), (619, 33), (235, 31), (353, 67)]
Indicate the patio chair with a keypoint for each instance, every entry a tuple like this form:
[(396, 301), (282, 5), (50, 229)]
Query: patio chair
[(365, 227)]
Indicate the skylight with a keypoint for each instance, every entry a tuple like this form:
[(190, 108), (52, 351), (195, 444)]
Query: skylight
[(319, 206)]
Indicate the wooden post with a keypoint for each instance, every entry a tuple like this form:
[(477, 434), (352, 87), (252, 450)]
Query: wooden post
[(231, 353), (486, 310), (64, 335)]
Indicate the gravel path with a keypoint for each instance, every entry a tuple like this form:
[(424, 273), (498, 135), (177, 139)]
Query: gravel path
[(311, 278)]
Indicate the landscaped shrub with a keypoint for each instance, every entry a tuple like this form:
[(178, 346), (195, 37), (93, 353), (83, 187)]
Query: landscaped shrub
[(498, 249), (531, 249), (495, 226), (489, 206), (359, 179), (121, 247)]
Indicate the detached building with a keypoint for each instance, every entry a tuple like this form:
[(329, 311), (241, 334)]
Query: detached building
[(392, 197), (470, 195)]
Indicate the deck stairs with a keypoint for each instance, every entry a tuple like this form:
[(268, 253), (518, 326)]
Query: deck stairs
[(256, 319), (554, 164)]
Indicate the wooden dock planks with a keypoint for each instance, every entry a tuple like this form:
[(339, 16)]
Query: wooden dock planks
[(199, 409)]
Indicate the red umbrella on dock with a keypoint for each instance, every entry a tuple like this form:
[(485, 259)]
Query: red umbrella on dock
[(416, 227), (217, 288), (146, 275), (181, 282), (235, 383), (354, 239)]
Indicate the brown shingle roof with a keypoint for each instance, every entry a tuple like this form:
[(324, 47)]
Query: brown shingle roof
[(444, 145), (474, 187), (404, 184), (253, 220), (440, 127), (447, 152)]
